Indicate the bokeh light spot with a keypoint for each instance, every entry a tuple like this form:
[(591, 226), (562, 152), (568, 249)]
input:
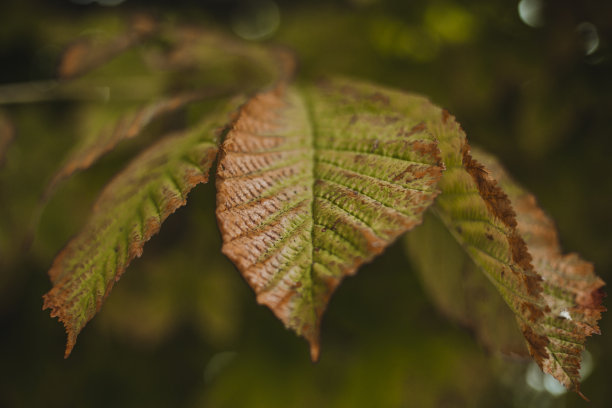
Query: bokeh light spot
[(590, 38), (530, 12), (533, 377), (586, 365), (540, 381), (553, 386)]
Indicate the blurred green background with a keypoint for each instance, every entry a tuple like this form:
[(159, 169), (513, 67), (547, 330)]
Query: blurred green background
[(530, 81)]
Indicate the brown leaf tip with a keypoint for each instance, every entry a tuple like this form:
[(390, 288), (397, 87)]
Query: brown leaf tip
[(70, 342), (314, 351), (50, 301)]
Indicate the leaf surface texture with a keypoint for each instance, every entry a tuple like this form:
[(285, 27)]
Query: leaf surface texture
[(510, 239), (571, 289), (313, 182), (480, 216), (128, 212)]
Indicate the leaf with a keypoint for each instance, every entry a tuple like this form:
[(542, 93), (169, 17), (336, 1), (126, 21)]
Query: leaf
[(478, 212), (479, 215), (571, 289), (128, 212), (460, 290), (218, 59), (313, 182), (128, 126)]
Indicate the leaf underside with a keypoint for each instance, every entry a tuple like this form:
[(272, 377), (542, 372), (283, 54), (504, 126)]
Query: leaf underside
[(313, 182), (128, 212)]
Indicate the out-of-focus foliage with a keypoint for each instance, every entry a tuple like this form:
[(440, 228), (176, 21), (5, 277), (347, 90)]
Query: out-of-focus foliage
[(182, 328)]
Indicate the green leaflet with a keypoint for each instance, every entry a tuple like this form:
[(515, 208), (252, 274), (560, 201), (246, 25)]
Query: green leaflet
[(480, 217), (313, 182), (555, 299), (128, 212), (125, 126), (572, 291)]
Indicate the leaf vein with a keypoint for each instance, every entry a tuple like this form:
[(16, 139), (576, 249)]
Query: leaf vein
[(387, 157), (328, 162)]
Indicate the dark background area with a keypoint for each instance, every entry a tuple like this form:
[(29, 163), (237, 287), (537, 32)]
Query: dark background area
[(530, 83)]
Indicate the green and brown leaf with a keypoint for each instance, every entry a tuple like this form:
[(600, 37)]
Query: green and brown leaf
[(129, 211), (129, 125), (314, 182), (480, 216), (556, 299), (572, 291)]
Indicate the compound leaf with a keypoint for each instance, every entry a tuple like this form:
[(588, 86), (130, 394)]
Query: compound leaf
[(313, 182), (128, 212)]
